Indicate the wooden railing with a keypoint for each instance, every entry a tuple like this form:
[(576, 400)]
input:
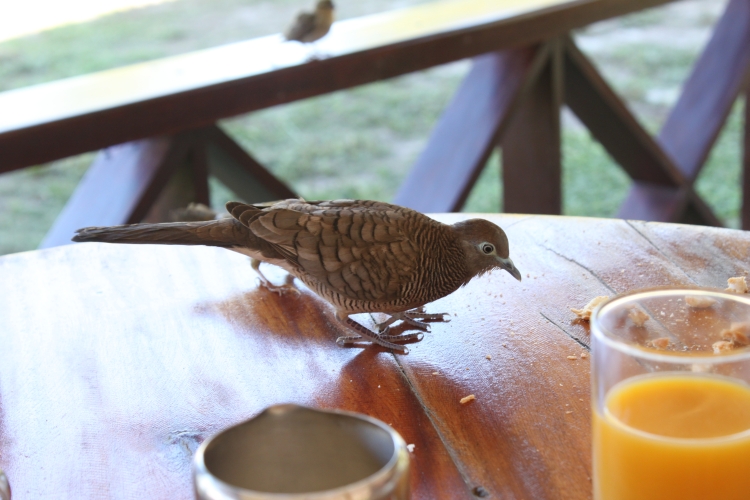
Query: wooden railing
[(157, 119)]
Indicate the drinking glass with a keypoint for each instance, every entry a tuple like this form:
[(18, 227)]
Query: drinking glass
[(671, 396)]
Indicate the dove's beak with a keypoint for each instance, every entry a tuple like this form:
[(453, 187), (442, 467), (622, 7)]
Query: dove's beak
[(508, 265)]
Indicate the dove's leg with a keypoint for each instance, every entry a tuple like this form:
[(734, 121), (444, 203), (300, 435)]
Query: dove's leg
[(366, 334), (387, 323), (266, 283)]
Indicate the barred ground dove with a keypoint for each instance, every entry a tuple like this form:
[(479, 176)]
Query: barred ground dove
[(360, 256), (311, 26)]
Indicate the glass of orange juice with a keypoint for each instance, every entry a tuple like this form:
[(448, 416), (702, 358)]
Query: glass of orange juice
[(671, 396)]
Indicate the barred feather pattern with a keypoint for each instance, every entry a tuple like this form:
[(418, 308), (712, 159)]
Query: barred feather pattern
[(362, 255)]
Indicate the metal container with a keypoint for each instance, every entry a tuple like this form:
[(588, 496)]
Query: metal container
[(290, 452)]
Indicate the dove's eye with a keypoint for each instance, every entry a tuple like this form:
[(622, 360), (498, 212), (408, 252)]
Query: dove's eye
[(487, 248)]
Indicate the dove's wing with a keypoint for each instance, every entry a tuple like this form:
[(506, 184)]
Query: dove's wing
[(359, 249)]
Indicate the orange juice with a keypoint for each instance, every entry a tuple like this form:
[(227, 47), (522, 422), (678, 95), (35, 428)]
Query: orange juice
[(673, 436)]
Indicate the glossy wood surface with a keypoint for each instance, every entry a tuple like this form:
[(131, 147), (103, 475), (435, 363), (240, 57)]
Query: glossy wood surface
[(117, 361), (193, 90)]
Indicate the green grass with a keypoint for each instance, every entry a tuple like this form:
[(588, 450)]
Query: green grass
[(355, 143), (30, 199)]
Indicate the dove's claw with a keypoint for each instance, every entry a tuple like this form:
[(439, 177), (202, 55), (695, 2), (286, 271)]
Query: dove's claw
[(416, 324), (348, 340), (420, 314), (366, 334), (405, 337)]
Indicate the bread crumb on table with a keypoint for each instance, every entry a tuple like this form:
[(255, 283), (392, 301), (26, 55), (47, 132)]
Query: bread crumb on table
[(584, 355), (468, 398), (699, 302), (488, 357), (737, 285), (572, 357), (585, 313)]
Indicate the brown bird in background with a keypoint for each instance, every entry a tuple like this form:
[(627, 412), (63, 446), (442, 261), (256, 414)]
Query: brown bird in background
[(360, 256), (312, 26)]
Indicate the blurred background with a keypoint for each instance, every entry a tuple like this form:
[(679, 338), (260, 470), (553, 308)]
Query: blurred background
[(380, 128)]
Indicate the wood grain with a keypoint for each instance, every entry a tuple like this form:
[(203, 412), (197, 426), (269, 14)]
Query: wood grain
[(119, 360), (194, 90)]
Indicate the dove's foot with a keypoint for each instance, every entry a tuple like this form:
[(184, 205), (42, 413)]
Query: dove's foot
[(411, 318), (364, 333), (280, 289), (288, 285)]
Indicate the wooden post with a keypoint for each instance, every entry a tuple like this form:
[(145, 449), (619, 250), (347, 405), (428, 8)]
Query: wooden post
[(187, 183), (530, 145)]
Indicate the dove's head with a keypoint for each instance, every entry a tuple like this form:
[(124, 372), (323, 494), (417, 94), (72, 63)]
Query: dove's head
[(485, 246)]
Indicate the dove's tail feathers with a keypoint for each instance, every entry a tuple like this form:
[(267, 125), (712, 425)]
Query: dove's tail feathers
[(218, 233)]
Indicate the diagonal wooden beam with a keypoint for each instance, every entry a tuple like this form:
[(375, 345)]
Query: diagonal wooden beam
[(145, 180), (657, 192), (652, 202), (707, 97), (468, 130), (612, 124), (530, 144), (239, 171), (120, 187)]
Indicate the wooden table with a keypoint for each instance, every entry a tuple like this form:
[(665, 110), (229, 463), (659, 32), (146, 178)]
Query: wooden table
[(117, 361)]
